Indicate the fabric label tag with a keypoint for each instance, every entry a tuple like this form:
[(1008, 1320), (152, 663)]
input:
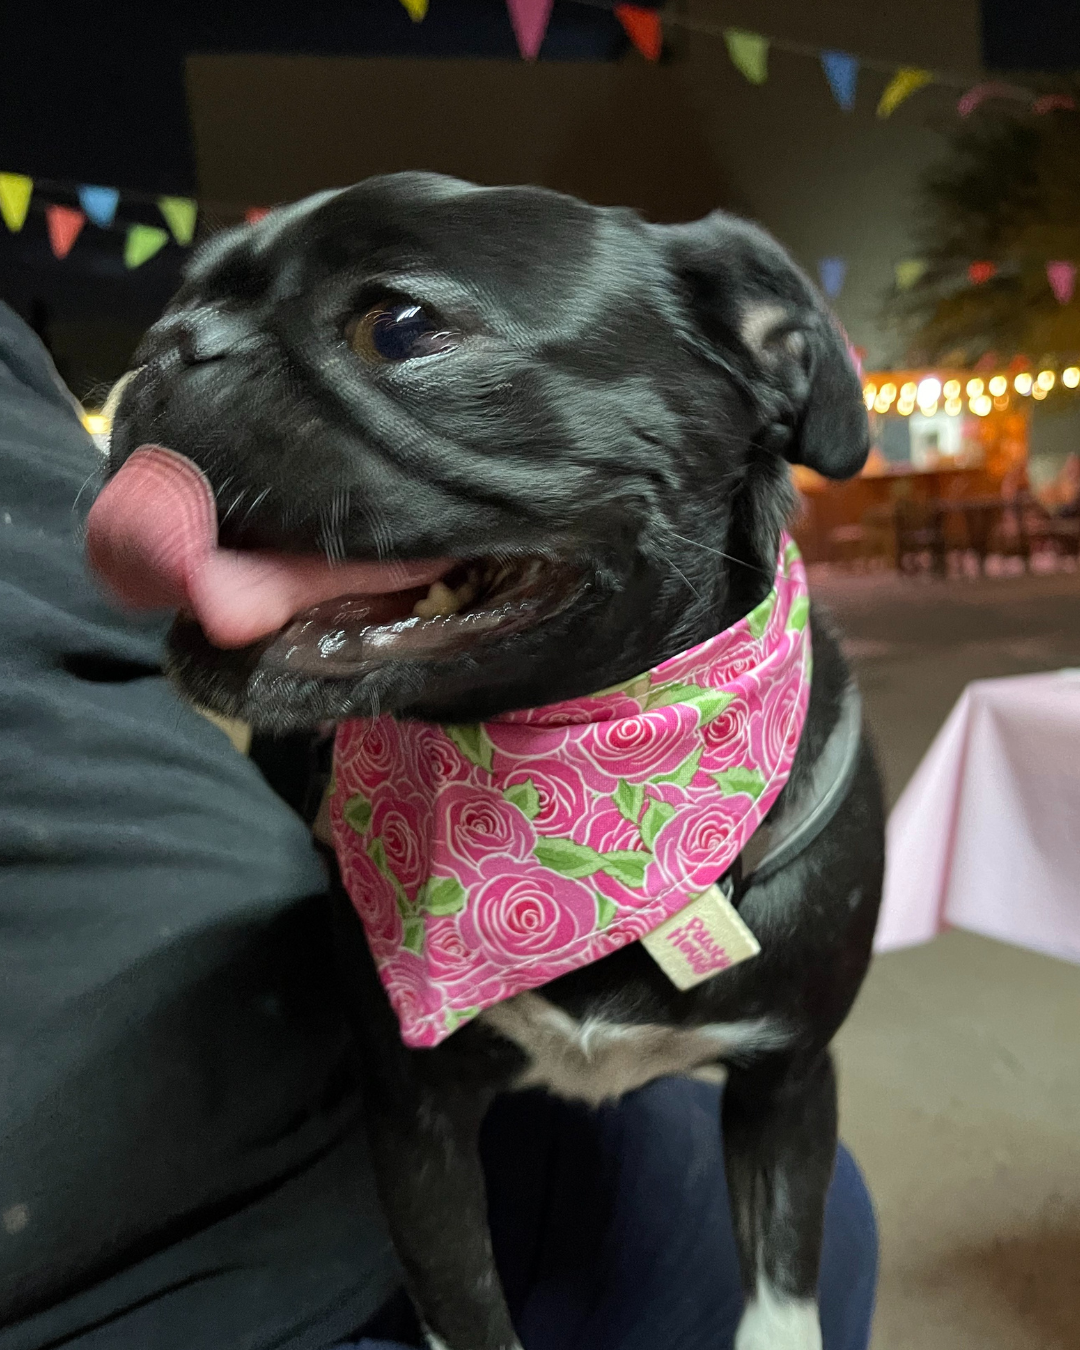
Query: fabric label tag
[(706, 936)]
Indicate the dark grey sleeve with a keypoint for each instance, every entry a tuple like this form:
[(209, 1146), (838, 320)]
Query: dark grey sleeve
[(180, 1163)]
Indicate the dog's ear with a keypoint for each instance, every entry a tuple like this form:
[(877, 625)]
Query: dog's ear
[(753, 311)]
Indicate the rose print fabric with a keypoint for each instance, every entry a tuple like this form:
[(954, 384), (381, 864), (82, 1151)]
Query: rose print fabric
[(491, 858)]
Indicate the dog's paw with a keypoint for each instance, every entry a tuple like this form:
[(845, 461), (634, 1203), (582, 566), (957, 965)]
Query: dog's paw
[(772, 1322)]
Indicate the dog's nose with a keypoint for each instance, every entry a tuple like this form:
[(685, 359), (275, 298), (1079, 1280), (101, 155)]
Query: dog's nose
[(208, 335)]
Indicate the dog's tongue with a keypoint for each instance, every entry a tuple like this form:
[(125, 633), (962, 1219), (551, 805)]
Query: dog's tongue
[(152, 537)]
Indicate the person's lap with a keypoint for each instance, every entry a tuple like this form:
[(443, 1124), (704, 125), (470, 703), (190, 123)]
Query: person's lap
[(612, 1230)]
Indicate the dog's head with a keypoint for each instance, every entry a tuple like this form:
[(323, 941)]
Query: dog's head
[(577, 422)]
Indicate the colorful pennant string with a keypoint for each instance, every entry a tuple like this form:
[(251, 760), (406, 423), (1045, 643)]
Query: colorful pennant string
[(1054, 103), (979, 273), (416, 9), (63, 225), (908, 272), (642, 27), (842, 73), (180, 214), (256, 213), (142, 242), (979, 93), (908, 80), (15, 193), (832, 272), (1062, 278), (99, 203), (749, 53), (529, 19)]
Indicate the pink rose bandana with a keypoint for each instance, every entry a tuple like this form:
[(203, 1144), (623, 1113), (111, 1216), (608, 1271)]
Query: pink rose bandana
[(491, 858)]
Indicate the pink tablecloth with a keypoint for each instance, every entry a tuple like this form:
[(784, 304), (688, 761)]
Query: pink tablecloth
[(987, 834)]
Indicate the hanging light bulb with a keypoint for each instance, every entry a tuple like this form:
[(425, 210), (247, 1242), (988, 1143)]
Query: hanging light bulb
[(998, 385), (869, 393), (1045, 380), (1022, 383), (974, 387), (1037, 391), (981, 405), (1070, 377), (954, 406), (951, 390)]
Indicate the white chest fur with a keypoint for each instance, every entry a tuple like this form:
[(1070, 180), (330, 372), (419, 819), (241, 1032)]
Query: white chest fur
[(596, 1060)]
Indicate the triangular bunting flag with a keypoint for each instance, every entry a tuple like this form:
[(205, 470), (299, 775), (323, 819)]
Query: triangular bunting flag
[(642, 27), (832, 272), (842, 72), (1062, 279), (529, 19), (180, 214), (979, 273), (1052, 102), (749, 54), (255, 213), (142, 242), (99, 203), (908, 272), (15, 193), (63, 224), (907, 81), (979, 93), (417, 9)]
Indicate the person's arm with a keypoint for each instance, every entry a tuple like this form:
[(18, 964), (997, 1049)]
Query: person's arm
[(181, 1164)]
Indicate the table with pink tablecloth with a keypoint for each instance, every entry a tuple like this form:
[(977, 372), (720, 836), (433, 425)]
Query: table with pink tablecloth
[(986, 836)]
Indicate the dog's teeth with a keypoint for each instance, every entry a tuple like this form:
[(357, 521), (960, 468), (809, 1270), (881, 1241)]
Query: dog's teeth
[(439, 601)]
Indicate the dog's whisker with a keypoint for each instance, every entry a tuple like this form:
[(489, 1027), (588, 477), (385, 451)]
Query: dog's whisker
[(382, 535), (332, 519), (78, 495), (257, 502), (233, 506), (719, 553), (690, 585)]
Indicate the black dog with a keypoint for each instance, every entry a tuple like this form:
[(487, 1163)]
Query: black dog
[(596, 415)]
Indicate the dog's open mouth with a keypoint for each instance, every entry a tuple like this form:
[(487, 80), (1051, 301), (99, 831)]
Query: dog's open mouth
[(471, 603), (152, 536)]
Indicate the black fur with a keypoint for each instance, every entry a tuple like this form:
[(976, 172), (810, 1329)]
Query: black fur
[(626, 395)]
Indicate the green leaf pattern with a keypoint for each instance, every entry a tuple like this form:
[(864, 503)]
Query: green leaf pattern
[(739, 779), (656, 817), (357, 813), (629, 798), (525, 797), (473, 742)]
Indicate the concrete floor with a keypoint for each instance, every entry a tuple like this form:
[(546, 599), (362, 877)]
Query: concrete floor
[(960, 1064)]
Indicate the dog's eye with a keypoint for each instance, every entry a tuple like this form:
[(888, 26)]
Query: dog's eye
[(399, 331)]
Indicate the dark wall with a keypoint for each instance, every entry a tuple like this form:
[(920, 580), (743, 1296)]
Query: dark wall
[(276, 128), (1033, 35)]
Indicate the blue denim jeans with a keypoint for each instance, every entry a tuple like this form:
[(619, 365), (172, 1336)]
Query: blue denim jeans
[(612, 1230)]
